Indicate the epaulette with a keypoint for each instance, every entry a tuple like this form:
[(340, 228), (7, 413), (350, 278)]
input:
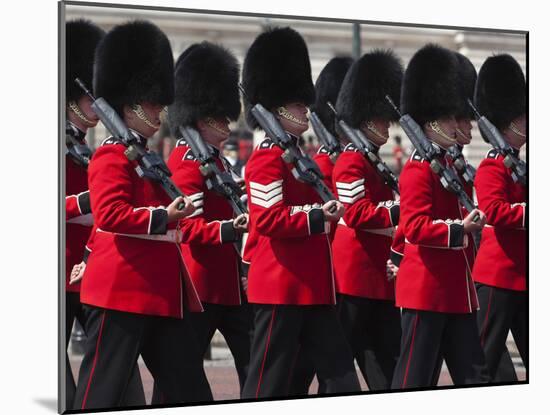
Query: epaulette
[(189, 155), (322, 150), (416, 157), (350, 147), (181, 142), (267, 143), (492, 154), (110, 140)]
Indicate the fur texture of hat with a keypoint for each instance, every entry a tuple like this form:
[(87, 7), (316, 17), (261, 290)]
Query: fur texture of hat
[(327, 87), (82, 37), (277, 71), (206, 85), (134, 63), (369, 80), (500, 92), (468, 77), (431, 87)]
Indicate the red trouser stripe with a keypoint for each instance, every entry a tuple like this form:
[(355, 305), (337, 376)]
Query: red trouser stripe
[(96, 356), (265, 352), (410, 351), (486, 321)]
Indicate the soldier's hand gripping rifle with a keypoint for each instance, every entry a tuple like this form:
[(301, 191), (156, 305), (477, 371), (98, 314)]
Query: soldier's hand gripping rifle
[(363, 144), (492, 134), (429, 152), (79, 152), (217, 180), (305, 169), (150, 164), (325, 137), (465, 169)]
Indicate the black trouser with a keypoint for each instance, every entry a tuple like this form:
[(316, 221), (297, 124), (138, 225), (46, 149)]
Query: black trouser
[(501, 311), (115, 341), (373, 330), (234, 323), (426, 337), (280, 331), (135, 396)]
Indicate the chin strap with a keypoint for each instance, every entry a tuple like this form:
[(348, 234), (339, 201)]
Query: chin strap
[(372, 128), (434, 125), (138, 110), (283, 112), (212, 123), (73, 106), (461, 133), (516, 130)]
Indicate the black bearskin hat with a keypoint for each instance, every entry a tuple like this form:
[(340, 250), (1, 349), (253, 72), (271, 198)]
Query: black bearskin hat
[(369, 80), (431, 85), (206, 85), (82, 37), (134, 63), (277, 71), (467, 82), (327, 87), (500, 92)]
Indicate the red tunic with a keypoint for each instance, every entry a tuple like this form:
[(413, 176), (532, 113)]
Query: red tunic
[(127, 271), (78, 216), (288, 248), (361, 246), (434, 272), (207, 234), (502, 257)]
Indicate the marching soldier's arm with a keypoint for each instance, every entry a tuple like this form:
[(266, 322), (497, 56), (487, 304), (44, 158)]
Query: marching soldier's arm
[(77, 205), (269, 213), (195, 228), (492, 195), (419, 226), (111, 190), (350, 178), (398, 247)]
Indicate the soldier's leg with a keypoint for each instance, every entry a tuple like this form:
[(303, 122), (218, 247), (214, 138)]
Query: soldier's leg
[(171, 353), (302, 374), (421, 335), (235, 326), (111, 352), (203, 325), (506, 371), (324, 339), (494, 319), (383, 336), (462, 351), (274, 345), (72, 309), (519, 327)]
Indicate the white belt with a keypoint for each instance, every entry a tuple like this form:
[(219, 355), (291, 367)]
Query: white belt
[(173, 235), (383, 231), (86, 220)]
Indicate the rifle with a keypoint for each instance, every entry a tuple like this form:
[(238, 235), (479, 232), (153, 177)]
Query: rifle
[(150, 164), (325, 137), (363, 144), (305, 169), (491, 133), (465, 169), (447, 177), (217, 180), (79, 152)]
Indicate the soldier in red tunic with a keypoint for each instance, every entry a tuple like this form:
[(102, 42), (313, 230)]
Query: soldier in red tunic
[(501, 263), (207, 98), (291, 281), (434, 285), (327, 87), (363, 238), (136, 285)]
